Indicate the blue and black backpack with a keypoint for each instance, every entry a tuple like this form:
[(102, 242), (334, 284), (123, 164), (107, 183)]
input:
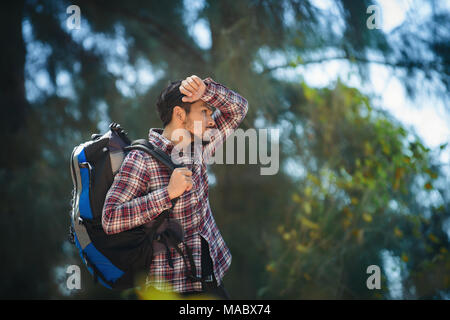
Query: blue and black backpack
[(117, 260)]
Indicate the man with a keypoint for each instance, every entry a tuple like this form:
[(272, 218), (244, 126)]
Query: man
[(143, 188)]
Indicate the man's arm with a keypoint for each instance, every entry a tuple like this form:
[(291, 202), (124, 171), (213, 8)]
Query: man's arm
[(231, 109), (122, 210)]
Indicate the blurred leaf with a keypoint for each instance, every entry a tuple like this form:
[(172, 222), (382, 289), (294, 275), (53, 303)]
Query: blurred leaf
[(308, 223), (367, 217), (301, 248), (398, 233), (428, 186)]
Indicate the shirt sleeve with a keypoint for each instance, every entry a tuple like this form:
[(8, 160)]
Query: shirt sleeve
[(127, 205), (231, 109)]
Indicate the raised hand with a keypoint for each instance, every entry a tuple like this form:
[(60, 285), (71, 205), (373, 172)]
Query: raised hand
[(193, 88)]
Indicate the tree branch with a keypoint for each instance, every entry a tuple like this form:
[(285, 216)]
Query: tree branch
[(411, 64), (169, 38)]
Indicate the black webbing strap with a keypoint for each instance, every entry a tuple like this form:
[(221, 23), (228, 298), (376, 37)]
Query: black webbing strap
[(146, 146), (191, 270), (158, 221)]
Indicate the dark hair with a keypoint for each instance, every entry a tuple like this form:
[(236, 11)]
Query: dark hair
[(168, 99)]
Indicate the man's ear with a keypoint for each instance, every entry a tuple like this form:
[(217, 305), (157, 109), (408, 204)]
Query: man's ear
[(179, 113)]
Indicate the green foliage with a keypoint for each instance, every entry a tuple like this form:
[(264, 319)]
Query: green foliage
[(356, 200)]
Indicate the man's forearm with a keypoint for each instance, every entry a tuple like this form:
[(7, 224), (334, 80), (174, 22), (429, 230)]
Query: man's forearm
[(128, 215), (232, 106), (122, 210), (231, 109)]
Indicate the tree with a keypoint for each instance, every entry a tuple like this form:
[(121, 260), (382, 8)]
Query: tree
[(359, 198)]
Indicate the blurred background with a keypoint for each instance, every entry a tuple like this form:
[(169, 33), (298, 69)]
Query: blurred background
[(360, 96)]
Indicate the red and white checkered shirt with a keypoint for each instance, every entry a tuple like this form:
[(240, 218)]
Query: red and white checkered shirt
[(139, 194)]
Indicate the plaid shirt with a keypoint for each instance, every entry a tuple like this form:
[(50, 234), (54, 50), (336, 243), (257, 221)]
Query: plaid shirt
[(139, 194)]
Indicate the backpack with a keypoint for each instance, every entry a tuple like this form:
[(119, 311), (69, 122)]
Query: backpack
[(117, 260)]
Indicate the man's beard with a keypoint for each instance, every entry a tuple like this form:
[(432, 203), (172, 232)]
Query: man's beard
[(203, 139)]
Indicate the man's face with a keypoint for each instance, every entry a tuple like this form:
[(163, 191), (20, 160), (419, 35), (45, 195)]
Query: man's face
[(199, 120)]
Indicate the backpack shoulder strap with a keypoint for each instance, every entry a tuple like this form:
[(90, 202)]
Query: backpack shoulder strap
[(146, 146)]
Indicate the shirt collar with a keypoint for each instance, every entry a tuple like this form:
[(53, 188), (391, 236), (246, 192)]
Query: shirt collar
[(155, 136)]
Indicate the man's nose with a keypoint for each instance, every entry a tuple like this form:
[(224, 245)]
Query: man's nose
[(211, 123)]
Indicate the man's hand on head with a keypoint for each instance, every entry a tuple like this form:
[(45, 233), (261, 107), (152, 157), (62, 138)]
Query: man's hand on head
[(193, 88)]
